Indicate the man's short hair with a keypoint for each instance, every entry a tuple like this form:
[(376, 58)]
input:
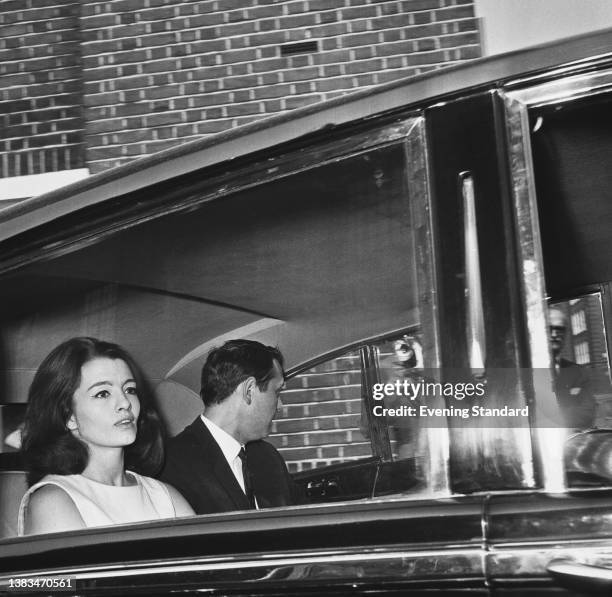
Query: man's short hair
[(229, 365)]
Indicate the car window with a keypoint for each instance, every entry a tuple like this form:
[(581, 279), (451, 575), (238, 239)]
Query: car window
[(570, 145), (580, 346), (318, 256), (582, 386)]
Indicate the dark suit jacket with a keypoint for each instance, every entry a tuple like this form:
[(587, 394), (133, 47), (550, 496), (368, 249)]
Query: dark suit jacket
[(574, 395), (195, 465)]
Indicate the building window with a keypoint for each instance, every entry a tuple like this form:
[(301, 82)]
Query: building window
[(578, 322), (581, 352)]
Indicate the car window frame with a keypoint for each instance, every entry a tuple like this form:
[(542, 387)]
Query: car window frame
[(565, 84)]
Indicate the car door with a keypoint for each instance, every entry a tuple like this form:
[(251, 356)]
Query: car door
[(389, 548), (364, 198), (558, 147)]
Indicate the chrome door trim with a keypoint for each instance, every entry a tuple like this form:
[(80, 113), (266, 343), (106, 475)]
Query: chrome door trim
[(581, 576), (533, 289), (511, 564), (462, 563), (526, 535), (419, 177)]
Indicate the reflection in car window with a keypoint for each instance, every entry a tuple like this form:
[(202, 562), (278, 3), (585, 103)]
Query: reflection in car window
[(572, 186), (582, 375), (400, 359), (420, 450), (582, 386)]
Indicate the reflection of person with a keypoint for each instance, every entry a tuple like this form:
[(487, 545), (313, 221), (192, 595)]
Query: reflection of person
[(89, 416), (405, 365), (220, 462), (408, 353), (572, 384)]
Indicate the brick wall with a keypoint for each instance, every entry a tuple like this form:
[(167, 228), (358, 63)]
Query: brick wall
[(132, 77), (40, 89), (320, 421), (158, 72)]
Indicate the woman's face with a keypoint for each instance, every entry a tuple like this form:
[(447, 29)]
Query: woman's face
[(105, 406)]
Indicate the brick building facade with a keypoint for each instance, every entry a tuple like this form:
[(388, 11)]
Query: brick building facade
[(585, 344), (320, 422), (323, 420), (94, 83), (91, 84), (41, 90)]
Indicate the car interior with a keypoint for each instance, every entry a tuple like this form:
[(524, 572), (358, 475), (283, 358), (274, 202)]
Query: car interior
[(311, 262)]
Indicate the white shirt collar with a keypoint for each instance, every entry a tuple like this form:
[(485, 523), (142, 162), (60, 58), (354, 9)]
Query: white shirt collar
[(228, 444)]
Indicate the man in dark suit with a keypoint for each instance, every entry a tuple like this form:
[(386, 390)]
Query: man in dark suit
[(572, 383), (220, 462)]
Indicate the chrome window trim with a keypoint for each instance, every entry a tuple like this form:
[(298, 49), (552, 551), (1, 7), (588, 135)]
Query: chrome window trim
[(548, 440), (346, 348), (475, 323), (422, 217), (564, 89)]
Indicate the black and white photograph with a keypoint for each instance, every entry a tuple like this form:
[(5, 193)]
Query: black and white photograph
[(306, 297)]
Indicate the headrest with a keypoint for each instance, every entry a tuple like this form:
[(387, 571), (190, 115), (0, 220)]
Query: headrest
[(177, 404)]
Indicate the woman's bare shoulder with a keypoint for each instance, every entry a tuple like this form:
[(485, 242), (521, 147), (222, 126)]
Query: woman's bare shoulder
[(50, 509)]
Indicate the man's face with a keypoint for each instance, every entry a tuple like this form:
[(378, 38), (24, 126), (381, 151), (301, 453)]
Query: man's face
[(265, 403), (557, 330)]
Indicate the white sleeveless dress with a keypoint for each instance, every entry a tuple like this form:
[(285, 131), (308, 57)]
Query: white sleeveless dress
[(100, 504)]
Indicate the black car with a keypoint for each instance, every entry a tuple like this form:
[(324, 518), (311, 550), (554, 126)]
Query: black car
[(407, 237)]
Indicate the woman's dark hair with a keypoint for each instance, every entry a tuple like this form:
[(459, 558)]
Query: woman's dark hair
[(49, 446), (232, 363)]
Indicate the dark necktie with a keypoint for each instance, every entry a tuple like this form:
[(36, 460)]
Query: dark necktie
[(248, 485)]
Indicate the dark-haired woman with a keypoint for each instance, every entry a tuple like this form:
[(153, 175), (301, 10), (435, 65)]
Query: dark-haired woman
[(91, 438)]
